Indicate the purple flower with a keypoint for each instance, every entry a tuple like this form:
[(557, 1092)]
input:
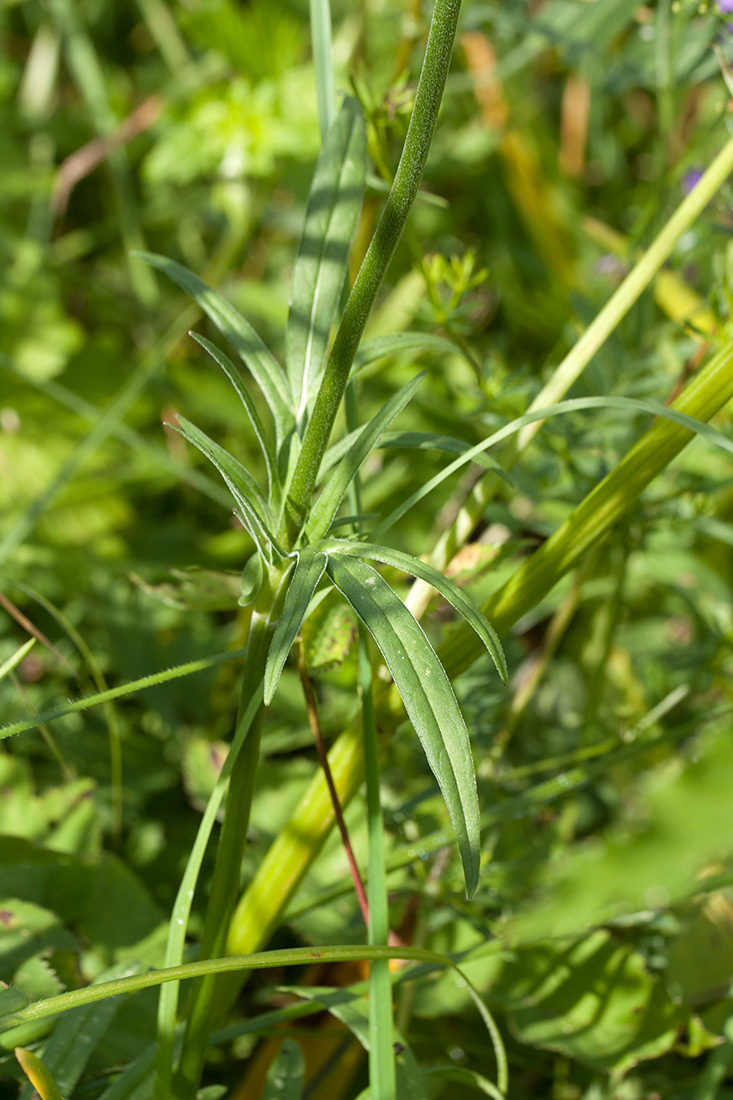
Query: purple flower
[(693, 176), (725, 7)]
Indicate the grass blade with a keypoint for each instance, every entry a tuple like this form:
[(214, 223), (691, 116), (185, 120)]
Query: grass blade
[(268, 451), (263, 366), (320, 18), (629, 404), (309, 569), (411, 441), (384, 347), (321, 265), (328, 502), (426, 693), (458, 599)]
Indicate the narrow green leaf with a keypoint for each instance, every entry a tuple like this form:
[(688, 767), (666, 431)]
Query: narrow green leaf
[(458, 599), (15, 658), (321, 265), (427, 696), (309, 569), (625, 404), (320, 20), (245, 397), (251, 506), (229, 964), (383, 347), (263, 366), (37, 1074), (287, 1074), (419, 441), (331, 496)]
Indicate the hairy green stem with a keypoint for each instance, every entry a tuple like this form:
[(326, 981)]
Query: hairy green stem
[(372, 271)]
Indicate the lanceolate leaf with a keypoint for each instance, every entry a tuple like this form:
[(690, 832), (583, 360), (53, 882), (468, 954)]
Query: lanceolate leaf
[(426, 693), (251, 507), (265, 369), (310, 568), (463, 603), (380, 347), (328, 502), (245, 397), (321, 265)]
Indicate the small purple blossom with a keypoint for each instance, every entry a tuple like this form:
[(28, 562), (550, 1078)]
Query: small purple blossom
[(725, 7), (693, 176)]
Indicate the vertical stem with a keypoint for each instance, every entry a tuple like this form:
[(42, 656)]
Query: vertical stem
[(310, 703), (372, 271), (381, 1030), (225, 882)]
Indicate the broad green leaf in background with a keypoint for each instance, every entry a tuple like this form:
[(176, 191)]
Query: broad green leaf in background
[(322, 262), (595, 1000), (250, 408), (309, 569), (264, 368), (458, 599), (427, 696), (286, 1074), (687, 823), (332, 494)]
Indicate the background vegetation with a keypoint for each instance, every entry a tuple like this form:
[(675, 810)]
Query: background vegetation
[(601, 935)]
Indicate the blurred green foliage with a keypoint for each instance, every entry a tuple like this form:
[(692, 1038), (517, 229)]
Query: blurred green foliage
[(602, 933)]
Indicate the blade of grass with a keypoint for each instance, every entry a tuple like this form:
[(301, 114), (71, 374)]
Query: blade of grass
[(320, 20), (382, 1070), (122, 691), (634, 404)]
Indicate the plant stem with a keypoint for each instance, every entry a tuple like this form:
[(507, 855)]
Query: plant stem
[(310, 703), (372, 271), (225, 882), (381, 1030)]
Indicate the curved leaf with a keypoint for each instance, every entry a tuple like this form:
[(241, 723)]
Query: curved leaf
[(245, 397), (418, 441), (458, 599), (320, 267), (251, 506), (575, 404), (381, 347), (426, 693), (309, 569), (328, 502), (263, 366)]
